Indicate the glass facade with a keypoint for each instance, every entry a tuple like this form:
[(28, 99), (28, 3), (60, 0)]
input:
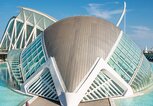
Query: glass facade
[(103, 87), (126, 61), (33, 57), (143, 77), (44, 86)]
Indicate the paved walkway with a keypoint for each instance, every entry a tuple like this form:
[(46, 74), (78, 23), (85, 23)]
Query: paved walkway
[(43, 102), (103, 102)]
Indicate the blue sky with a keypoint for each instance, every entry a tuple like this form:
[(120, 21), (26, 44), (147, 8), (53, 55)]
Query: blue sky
[(139, 13)]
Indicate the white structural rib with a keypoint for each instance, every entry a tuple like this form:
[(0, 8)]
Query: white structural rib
[(123, 13), (114, 47), (24, 28), (45, 15), (74, 98)]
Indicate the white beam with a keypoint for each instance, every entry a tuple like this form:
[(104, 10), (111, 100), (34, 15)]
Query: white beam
[(123, 13)]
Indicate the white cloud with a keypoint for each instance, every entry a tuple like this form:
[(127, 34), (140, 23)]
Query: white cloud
[(142, 35), (99, 11), (141, 28)]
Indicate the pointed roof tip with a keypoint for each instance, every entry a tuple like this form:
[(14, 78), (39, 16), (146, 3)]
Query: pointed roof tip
[(125, 3), (146, 50), (146, 47)]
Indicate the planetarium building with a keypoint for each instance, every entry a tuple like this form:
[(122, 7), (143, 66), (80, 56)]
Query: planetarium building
[(74, 61)]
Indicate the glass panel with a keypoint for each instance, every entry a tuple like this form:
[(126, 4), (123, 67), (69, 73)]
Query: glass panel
[(33, 57), (126, 60)]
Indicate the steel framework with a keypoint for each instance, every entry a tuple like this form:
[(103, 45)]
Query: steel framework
[(24, 28)]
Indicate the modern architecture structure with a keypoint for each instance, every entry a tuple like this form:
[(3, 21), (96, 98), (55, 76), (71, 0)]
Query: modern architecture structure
[(148, 54), (24, 28), (74, 60)]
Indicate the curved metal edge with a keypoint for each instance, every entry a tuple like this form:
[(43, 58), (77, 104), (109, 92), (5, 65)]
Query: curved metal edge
[(123, 13)]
